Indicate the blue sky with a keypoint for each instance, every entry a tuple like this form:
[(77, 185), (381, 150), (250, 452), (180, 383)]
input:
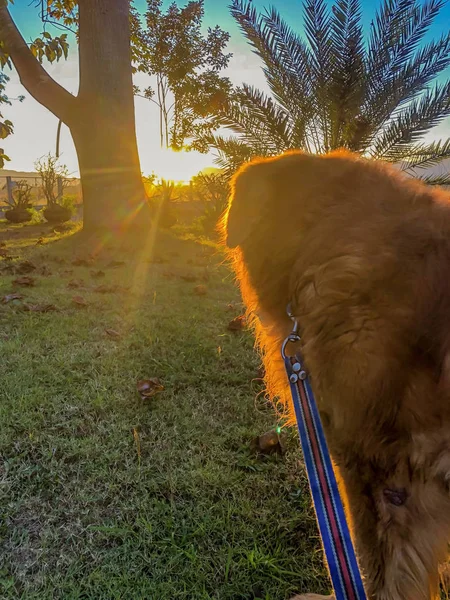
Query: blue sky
[(35, 127)]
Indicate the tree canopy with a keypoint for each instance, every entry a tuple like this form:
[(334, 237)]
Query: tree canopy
[(376, 94)]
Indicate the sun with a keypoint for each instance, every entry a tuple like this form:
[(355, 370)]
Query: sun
[(179, 166)]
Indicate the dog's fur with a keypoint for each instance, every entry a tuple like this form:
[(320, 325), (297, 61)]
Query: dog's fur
[(363, 255)]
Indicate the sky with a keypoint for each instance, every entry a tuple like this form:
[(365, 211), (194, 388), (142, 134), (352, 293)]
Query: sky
[(35, 127)]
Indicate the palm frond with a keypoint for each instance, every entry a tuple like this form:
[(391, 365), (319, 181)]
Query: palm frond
[(257, 119), (419, 117), (231, 153), (347, 88), (395, 75), (285, 57), (436, 179), (318, 34), (423, 156), (290, 79)]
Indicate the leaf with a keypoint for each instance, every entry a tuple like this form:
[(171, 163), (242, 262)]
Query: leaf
[(79, 301), (112, 333), (46, 271), (190, 277), (41, 308), (268, 443), (25, 281), (82, 262), (116, 263), (238, 323), (11, 297), (25, 267), (106, 289), (200, 290), (74, 284), (147, 388)]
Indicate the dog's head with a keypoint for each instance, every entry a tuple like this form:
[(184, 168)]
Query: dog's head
[(273, 193), (273, 202)]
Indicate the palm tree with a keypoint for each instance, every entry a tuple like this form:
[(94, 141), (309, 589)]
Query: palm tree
[(334, 89)]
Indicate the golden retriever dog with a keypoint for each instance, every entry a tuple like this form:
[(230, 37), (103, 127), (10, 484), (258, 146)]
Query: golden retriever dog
[(363, 256)]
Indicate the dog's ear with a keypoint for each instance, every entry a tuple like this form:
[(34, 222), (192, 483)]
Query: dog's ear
[(251, 189)]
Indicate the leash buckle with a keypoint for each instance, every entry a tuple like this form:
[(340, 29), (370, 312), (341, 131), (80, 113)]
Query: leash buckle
[(297, 371)]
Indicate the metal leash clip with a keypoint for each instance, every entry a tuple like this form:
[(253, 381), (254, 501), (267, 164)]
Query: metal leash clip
[(297, 371)]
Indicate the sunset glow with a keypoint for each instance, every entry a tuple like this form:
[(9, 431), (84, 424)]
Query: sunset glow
[(177, 166)]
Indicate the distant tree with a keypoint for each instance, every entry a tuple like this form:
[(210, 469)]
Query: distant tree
[(101, 117), (334, 90), (185, 65)]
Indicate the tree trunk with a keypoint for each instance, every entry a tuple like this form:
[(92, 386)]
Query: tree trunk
[(104, 130), (101, 118)]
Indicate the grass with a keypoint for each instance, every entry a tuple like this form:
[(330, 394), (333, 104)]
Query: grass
[(106, 496)]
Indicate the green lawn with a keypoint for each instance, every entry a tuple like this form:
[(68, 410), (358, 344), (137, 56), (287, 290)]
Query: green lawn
[(104, 495)]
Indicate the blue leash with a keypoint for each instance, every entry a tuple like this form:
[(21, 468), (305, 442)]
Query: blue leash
[(339, 551)]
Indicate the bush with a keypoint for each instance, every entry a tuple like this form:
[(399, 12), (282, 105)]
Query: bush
[(68, 201), (212, 189)]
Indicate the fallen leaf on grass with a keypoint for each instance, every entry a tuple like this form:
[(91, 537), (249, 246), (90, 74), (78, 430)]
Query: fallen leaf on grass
[(10, 297), (25, 267), (75, 284), (200, 290), (82, 262), (106, 289), (79, 301), (238, 323), (25, 281), (116, 263), (39, 241), (112, 333), (61, 228), (42, 308), (268, 443), (46, 271), (190, 277), (148, 388), (97, 274)]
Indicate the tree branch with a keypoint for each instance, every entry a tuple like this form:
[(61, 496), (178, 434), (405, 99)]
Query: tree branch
[(32, 74)]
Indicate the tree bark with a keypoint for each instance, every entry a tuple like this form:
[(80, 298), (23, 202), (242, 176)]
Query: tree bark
[(101, 118), (104, 131)]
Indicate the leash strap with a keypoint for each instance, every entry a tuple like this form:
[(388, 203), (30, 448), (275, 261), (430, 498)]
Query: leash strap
[(339, 551)]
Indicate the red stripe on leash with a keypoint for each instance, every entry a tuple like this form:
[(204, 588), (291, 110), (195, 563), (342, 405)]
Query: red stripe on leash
[(327, 496)]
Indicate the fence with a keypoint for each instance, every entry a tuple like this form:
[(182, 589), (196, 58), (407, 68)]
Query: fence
[(64, 186)]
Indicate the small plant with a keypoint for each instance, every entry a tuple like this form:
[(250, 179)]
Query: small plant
[(20, 204), (68, 201), (212, 189), (51, 172), (21, 195), (161, 203), (53, 180)]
